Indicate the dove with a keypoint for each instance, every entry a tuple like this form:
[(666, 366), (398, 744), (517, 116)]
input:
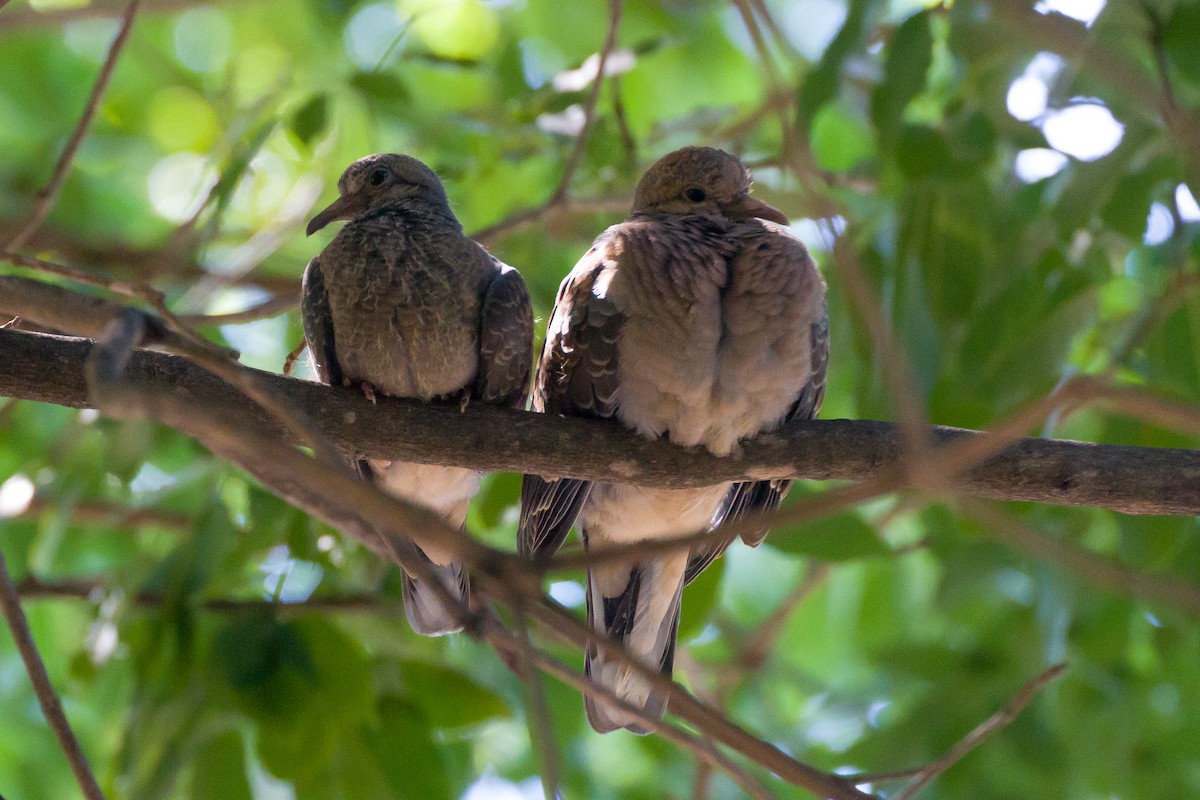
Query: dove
[(402, 303), (699, 318)]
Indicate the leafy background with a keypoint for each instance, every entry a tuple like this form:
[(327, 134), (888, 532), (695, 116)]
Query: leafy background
[(1022, 215)]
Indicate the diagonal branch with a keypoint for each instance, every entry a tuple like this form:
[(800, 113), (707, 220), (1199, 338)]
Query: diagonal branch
[(45, 198), (561, 195), (51, 707), (387, 527), (985, 729), (1089, 567)]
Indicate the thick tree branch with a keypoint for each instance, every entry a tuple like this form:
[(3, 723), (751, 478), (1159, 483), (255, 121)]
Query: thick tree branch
[(1134, 480), (388, 527)]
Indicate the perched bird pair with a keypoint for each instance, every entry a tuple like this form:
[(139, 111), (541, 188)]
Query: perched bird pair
[(699, 318)]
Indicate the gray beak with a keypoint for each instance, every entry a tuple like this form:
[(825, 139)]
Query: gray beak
[(342, 208), (747, 207)]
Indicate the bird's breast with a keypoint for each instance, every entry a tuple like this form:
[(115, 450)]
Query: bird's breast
[(411, 330), (711, 356)]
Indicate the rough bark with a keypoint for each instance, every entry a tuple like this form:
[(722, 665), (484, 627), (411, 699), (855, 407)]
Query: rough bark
[(1134, 480)]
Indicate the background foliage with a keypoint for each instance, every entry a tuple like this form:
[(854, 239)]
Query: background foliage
[(1023, 215)]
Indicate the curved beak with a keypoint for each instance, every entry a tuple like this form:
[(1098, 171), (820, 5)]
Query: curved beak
[(342, 208), (747, 207)]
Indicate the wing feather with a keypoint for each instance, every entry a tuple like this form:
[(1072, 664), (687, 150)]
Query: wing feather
[(577, 376)]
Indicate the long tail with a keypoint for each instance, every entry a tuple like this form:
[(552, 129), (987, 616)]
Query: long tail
[(637, 606), (426, 608)]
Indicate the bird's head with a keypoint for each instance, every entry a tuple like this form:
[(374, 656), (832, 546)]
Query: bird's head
[(700, 180), (379, 179)]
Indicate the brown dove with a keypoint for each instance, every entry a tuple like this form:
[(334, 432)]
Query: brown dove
[(402, 303), (701, 319)]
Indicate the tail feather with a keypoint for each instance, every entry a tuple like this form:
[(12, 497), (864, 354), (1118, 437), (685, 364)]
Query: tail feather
[(426, 608), (644, 618)]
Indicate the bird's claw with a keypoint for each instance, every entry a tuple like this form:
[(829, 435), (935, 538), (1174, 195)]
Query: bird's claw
[(368, 391), (464, 400)]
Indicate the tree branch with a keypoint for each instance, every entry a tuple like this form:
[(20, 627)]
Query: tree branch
[(33, 588), (45, 198), (51, 707), (985, 729), (388, 527), (1134, 480)]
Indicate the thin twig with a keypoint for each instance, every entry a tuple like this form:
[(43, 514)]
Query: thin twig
[(589, 108), (892, 359), (1085, 565), (51, 707), (702, 780), (541, 726), (44, 200), (567, 205), (32, 588), (692, 710), (289, 362), (985, 729), (754, 648), (272, 307), (103, 511), (703, 750), (559, 197)]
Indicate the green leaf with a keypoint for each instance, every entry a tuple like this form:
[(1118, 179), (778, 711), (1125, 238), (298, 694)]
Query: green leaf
[(382, 90), (428, 686), (1180, 35), (220, 770), (305, 682), (909, 55), (699, 598), (405, 750), (840, 141), (822, 83), (841, 537), (310, 119)]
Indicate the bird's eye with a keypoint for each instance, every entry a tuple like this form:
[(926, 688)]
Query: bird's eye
[(695, 194), (378, 176)]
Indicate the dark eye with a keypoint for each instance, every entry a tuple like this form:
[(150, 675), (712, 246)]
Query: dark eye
[(378, 176), (696, 194)]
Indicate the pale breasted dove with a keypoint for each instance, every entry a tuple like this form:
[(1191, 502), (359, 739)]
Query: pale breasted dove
[(699, 318), (402, 303)]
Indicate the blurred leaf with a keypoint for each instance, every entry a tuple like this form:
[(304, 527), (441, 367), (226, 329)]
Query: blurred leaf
[(428, 686), (309, 120), (821, 84), (699, 599), (1180, 34), (839, 537), (406, 752), (305, 683), (840, 141), (909, 55), (220, 770), (383, 90)]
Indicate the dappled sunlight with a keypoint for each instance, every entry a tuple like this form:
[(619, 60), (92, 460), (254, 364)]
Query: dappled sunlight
[(1000, 200), (16, 493), (1038, 163), (1085, 11), (1083, 130)]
